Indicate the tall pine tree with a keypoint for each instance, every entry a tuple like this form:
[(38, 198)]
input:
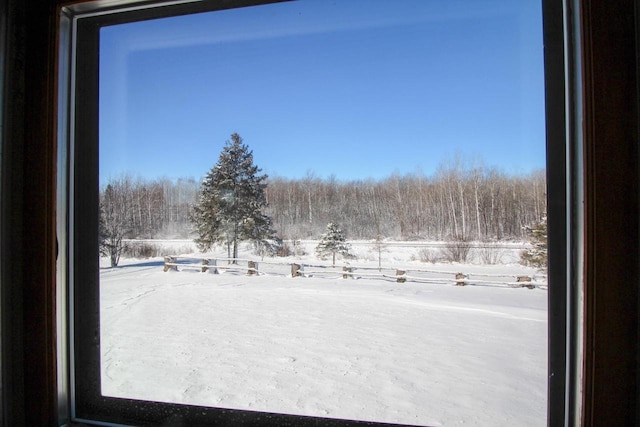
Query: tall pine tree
[(333, 241), (231, 200)]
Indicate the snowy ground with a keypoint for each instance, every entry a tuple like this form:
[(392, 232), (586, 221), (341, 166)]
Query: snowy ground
[(368, 349)]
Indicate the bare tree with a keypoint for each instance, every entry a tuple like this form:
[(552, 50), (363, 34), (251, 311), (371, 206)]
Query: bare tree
[(115, 220)]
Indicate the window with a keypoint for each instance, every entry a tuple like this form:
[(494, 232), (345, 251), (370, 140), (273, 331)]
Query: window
[(86, 24)]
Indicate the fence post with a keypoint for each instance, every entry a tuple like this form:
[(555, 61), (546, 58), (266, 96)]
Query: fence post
[(526, 282), (169, 260), (252, 268), (460, 279), (205, 263), (401, 276), (296, 270), (212, 266), (346, 270)]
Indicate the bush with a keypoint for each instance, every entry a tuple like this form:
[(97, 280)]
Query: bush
[(141, 250), (490, 253), (430, 255), (285, 250), (268, 247), (457, 250), (298, 248), (291, 248), (153, 250)]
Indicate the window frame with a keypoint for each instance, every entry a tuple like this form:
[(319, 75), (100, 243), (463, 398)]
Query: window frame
[(77, 222)]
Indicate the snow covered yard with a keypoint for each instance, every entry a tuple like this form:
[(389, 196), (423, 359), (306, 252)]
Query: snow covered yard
[(368, 349)]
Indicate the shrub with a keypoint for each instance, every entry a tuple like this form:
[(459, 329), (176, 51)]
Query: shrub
[(456, 250), (268, 247), (430, 255), (285, 250), (152, 250), (490, 253), (292, 247), (142, 250)]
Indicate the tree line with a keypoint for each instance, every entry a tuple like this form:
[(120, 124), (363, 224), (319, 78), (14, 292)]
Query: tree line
[(235, 202), (454, 203), (147, 209)]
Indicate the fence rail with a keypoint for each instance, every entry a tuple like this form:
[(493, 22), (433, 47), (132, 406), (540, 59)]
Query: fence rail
[(399, 275)]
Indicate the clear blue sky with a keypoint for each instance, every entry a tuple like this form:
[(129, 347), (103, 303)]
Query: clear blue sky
[(355, 89)]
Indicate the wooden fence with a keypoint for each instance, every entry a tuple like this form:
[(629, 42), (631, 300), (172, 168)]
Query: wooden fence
[(399, 275)]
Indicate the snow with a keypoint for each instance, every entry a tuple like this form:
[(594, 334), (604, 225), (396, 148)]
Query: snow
[(366, 349)]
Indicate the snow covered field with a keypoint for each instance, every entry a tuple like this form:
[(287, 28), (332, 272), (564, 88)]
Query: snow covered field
[(367, 349)]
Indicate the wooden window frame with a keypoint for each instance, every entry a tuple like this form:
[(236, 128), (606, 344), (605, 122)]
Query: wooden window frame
[(603, 382)]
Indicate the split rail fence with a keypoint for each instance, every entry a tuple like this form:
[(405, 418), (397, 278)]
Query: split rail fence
[(400, 275)]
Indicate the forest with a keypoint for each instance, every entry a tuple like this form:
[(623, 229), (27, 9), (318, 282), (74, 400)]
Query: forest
[(454, 203)]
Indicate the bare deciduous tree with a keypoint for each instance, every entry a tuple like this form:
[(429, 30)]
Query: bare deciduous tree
[(115, 220)]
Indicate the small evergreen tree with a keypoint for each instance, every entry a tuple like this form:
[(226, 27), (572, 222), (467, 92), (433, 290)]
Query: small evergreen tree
[(536, 256), (231, 200), (333, 241)]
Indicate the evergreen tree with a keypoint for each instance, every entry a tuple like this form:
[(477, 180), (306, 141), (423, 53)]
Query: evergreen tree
[(333, 241), (231, 200), (536, 256)]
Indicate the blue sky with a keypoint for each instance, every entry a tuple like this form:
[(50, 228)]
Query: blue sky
[(348, 88)]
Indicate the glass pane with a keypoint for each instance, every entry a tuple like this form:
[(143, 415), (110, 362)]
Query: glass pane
[(327, 209)]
